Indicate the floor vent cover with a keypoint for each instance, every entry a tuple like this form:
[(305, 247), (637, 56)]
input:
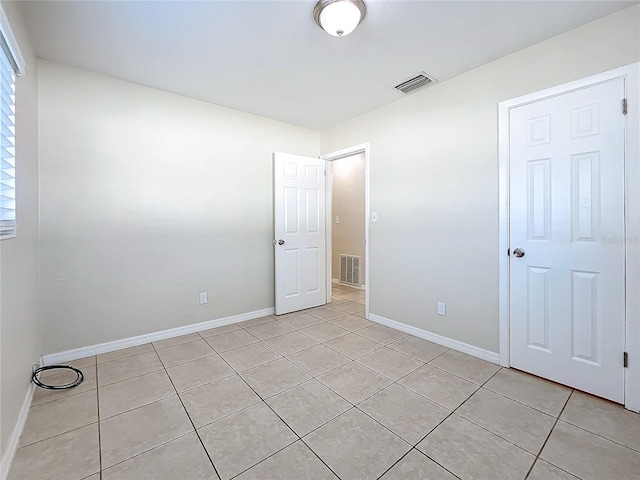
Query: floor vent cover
[(350, 270), (420, 80)]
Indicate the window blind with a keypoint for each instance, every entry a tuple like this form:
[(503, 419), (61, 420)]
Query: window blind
[(7, 142)]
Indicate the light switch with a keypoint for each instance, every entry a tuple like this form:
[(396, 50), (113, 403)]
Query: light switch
[(337, 219), (374, 217)]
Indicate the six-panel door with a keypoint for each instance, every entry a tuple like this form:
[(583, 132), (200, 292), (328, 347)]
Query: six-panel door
[(567, 215), (299, 211)]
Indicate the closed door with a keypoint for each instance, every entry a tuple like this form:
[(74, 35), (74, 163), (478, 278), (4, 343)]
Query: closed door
[(299, 211), (567, 301)]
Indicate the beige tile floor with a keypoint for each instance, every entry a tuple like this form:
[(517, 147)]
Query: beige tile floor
[(319, 394)]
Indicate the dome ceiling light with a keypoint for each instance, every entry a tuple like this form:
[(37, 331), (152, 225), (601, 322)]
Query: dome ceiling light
[(339, 17)]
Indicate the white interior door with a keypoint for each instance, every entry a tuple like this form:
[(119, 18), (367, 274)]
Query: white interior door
[(299, 211), (567, 293)]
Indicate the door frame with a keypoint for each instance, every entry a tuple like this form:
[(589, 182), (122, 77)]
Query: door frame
[(329, 157), (630, 73)]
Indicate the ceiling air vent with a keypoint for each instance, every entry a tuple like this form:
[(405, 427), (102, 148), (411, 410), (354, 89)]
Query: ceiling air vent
[(420, 80)]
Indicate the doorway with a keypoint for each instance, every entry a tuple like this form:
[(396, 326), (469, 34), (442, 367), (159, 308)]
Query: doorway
[(347, 229), (567, 166)]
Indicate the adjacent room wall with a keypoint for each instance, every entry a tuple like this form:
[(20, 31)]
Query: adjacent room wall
[(147, 199), (20, 336), (434, 179), (347, 237)]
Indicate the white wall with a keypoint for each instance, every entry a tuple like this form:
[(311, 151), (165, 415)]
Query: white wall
[(21, 340), (147, 199), (434, 179), (347, 202)]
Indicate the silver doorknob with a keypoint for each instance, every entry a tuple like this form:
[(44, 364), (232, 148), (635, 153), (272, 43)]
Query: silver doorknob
[(518, 252), (281, 242)]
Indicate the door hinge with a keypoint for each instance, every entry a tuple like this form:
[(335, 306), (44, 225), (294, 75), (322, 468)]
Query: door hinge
[(624, 106), (625, 359)]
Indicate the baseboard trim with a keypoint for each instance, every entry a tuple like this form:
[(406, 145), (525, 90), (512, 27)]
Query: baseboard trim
[(106, 347), (10, 453), (478, 352)]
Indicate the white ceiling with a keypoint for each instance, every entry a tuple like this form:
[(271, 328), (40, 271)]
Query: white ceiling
[(269, 57)]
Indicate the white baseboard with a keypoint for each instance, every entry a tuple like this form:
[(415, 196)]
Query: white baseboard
[(82, 352), (9, 454), (439, 339), (337, 281)]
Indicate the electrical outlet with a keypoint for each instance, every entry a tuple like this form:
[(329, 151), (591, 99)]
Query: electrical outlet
[(204, 298), (442, 308), (374, 217)]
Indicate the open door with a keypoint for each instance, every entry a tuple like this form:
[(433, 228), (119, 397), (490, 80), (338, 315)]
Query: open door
[(299, 226)]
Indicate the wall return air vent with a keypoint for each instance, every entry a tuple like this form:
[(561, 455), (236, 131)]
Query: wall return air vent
[(350, 270), (417, 81)]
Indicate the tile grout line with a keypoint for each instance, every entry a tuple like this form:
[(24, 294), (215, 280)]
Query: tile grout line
[(99, 421), (299, 330), (395, 463), (58, 435), (234, 372), (132, 378), (72, 394), (180, 342), (451, 412), (318, 456), (195, 430), (147, 451), (347, 356), (164, 368), (423, 396), (413, 446), (299, 438), (380, 373), (419, 453), (122, 358), (312, 378), (599, 435), (264, 399), (430, 360), (279, 417), (339, 394), (61, 398), (544, 444), (224, 417), (368, 397), (356, 406), (73, 429), (458, 376), (352, 405), (264, 459), (518, 401)]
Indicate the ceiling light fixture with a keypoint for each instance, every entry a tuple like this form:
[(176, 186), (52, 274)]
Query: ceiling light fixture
[(339, 17)]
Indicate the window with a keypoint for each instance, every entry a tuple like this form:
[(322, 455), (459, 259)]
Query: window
[(11, 64), (7, 150)]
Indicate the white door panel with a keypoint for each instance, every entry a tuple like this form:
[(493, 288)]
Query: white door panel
[(567, 214), (299, 216)]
